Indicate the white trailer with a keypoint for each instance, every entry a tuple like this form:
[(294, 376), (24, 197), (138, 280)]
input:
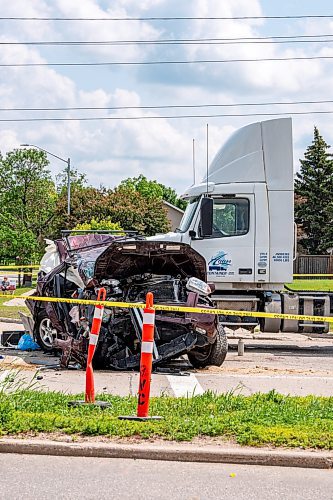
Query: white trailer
[(241, 219)]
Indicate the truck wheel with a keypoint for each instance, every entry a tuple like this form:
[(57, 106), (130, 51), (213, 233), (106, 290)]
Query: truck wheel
[(211, 355), (44, 332)]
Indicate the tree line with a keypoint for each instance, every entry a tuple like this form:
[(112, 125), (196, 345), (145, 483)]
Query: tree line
[(33, 206), (314, 198)]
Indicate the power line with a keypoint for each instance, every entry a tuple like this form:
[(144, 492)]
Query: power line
[(189, 41), (118, 118), (164, 18), (170, 106), (153, 63)]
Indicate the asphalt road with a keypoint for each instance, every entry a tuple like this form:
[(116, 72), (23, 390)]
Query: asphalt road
[(286, 372), (39, 477), (288, 363), (124, 384)]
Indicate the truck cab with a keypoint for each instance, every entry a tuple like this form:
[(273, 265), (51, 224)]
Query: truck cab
[(240, 218)]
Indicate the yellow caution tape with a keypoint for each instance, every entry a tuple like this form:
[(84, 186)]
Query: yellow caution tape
[(298, 275), (22, 266), (107, 303), (185, 309), (37, 266), (15, 273)]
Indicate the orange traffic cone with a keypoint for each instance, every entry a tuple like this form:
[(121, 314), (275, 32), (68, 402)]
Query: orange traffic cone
[(146, 362), (93, 339)]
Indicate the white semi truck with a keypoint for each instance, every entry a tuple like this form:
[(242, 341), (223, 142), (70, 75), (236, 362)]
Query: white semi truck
[(237, 233), (241, 219)]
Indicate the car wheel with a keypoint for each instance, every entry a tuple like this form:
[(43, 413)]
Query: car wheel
[(213, 354), (45, 333)]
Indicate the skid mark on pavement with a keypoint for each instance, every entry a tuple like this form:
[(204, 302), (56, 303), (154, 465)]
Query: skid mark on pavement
[(185, 386)]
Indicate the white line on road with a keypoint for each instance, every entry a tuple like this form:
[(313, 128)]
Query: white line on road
[(183, 386)]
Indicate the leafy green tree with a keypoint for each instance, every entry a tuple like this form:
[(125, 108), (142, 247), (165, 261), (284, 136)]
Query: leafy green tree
[(87, 203), (27, 200), (99, 225), (133, 211), (153, 189), (34, 207), (19, 246), (124, 206), (314, 196), (77, 179)]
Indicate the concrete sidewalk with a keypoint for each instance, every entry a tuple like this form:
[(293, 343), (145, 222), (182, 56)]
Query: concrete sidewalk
[(18, 302), (7, 326)]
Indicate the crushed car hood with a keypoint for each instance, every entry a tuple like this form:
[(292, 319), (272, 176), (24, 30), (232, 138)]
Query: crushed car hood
[(128, 258)]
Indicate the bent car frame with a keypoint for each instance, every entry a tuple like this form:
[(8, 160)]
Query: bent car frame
[(77, 266)]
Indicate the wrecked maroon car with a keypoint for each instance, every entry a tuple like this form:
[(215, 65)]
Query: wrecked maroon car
[(128, 268)]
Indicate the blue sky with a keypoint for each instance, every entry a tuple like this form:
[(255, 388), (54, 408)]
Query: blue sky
[(109, 151)]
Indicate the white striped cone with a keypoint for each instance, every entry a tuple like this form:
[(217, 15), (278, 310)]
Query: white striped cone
[(146, 360), (93, 339)]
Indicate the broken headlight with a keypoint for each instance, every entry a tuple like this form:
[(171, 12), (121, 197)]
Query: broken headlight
[(198, 286)]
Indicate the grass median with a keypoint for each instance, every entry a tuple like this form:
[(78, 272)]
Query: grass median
[(13, 311), (313, 285), (257, 420)]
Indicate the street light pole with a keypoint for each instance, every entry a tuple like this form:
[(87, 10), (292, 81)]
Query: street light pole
[(68, 171)]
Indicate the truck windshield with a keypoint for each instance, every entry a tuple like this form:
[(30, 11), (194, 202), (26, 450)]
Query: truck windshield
[(188, 215)]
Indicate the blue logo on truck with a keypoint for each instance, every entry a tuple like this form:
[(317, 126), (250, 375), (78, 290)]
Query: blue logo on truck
[(219, 262)]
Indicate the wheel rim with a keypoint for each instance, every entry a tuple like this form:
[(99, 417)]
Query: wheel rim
[(47, 333)]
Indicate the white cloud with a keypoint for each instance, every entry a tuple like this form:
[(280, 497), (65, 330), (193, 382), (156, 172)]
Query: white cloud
[(8, 139), (27, 30), (143, 5), (108, 151), (105, 30)]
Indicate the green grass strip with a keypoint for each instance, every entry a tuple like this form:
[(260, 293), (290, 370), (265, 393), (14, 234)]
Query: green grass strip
[(315, 285), (260, 419), (13, 311)]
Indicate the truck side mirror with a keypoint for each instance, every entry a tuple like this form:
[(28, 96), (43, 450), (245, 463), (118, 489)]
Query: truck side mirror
[(206, 217)]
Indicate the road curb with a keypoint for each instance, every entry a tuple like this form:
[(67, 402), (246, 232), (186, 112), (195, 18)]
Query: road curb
[(172, 452), (11, 320)]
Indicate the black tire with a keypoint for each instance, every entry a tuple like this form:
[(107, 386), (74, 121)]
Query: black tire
[(211, 355), (44, 333)]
